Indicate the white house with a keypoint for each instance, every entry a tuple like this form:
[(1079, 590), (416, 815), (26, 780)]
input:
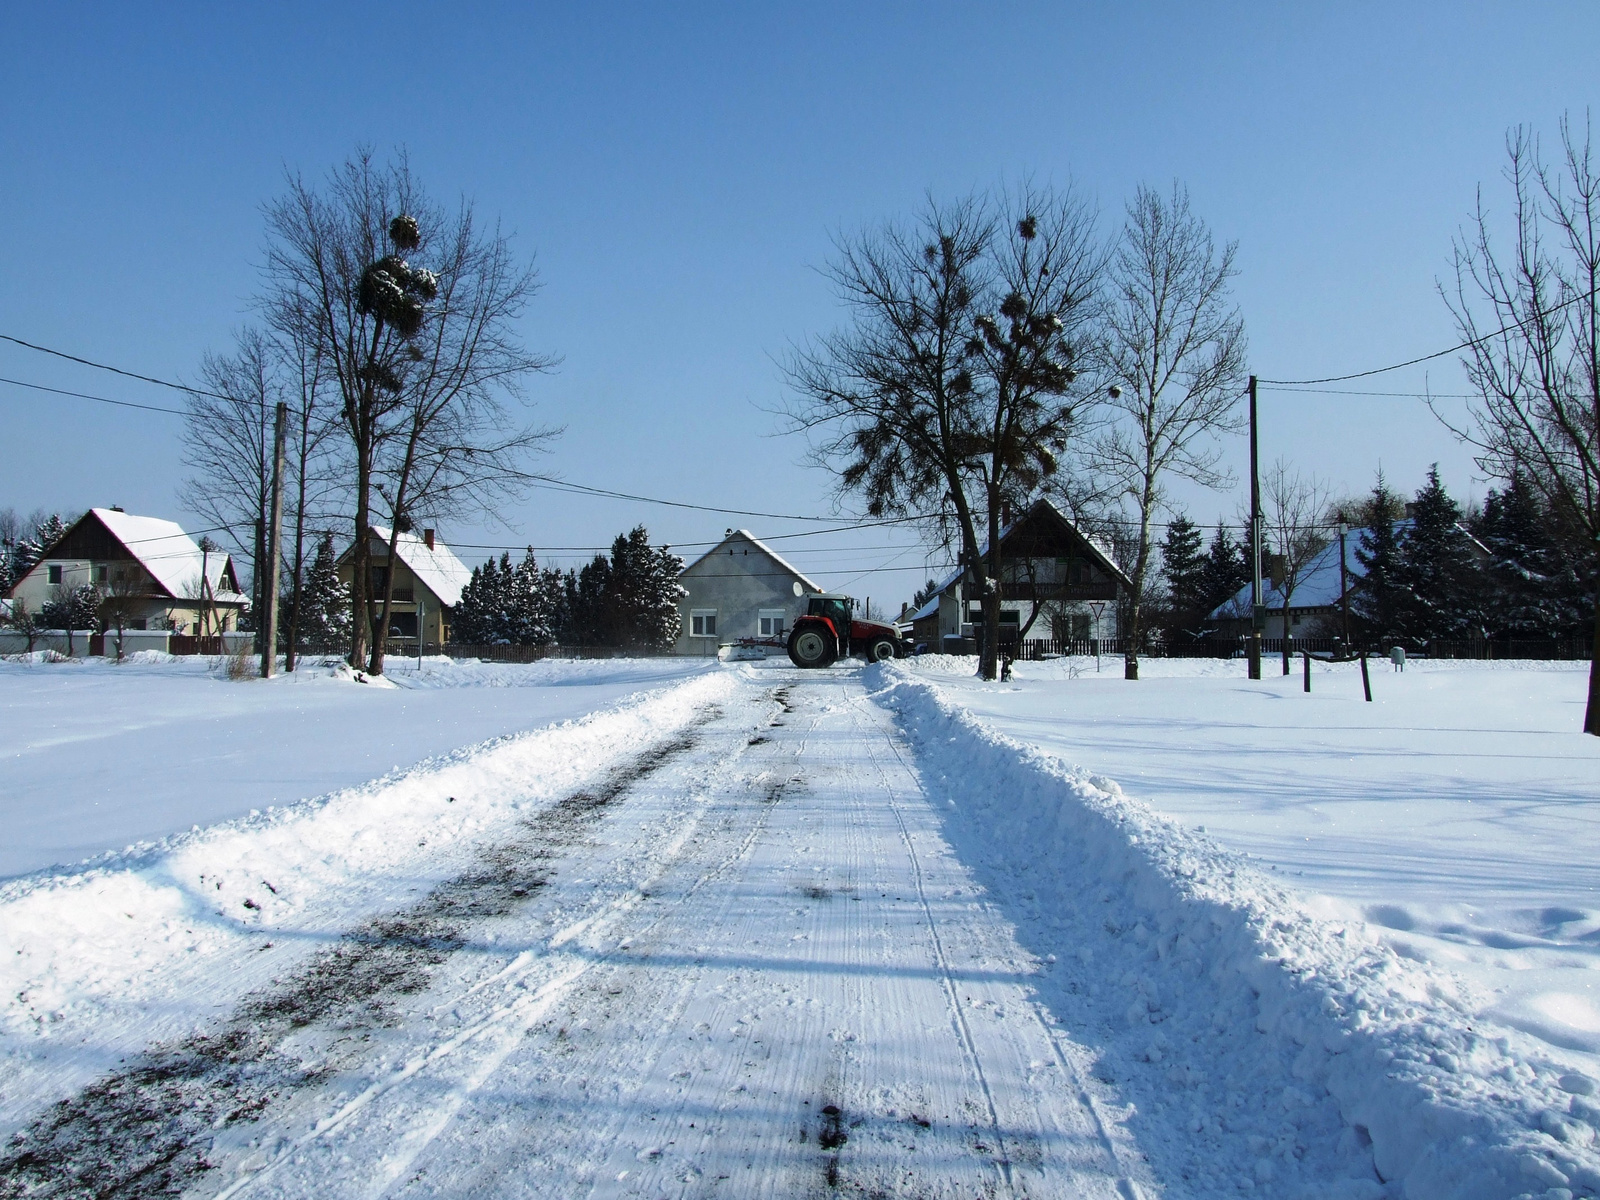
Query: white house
[(150, 569), (427, 584), (739, 588)]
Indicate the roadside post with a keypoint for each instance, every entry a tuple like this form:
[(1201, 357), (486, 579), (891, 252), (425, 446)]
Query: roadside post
[(1366, 680), (1097, 607), (1305, 659)]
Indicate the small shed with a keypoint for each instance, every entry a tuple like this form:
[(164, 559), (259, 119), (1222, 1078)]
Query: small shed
[(428, 578), (739, 588)]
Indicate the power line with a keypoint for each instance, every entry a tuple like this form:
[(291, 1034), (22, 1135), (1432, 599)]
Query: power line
[(39, 387), (1394, 395), (1411, 362), (166, 383)]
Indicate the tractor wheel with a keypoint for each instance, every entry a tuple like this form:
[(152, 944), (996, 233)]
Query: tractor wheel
[(880, 650), (810, 648)]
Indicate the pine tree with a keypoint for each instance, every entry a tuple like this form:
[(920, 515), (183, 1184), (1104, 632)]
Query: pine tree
[(1225, 570), (528, 616), (1375, 597), (1535, 590), (1183, 565), (555, 588), (31, 549), (475, 621), (324, 625), (1438, 592)]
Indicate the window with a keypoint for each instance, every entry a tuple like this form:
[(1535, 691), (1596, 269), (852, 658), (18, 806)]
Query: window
[(703, 622), (770, 622), (52, 574), (101, 574)]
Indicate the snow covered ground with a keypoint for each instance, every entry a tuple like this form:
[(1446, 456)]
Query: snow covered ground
[(1459, 812), (763, 932), (95, 755)]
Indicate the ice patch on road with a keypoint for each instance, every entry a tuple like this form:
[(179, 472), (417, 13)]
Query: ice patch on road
[(1271, 1049)]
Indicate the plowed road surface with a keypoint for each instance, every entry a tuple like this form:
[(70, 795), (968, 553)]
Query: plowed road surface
[(747, 965)]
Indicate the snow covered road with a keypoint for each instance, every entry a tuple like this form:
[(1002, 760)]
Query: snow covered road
[(749, 966), (765, 933)]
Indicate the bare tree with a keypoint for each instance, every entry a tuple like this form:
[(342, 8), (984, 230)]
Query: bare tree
[(1531, 314), (227, 444), (127, 597), (951, 393), (422, 353), (1173, 352), (1294, 525)]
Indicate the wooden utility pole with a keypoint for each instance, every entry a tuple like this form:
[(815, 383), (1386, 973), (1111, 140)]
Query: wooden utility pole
[(1257, 611), (1344, 585), (269, 576)]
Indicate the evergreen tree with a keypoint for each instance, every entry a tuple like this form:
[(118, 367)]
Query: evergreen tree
[(1225, 570), (555, 588), (1375, 597), (528, 616), (72, 607), (477, 618), (31, 549), (1183, 565), (1535, 590), (1438, 586), (324, 625)]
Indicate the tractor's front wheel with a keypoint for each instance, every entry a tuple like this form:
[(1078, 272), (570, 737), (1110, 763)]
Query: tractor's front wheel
[(880, 650), (810, 648)]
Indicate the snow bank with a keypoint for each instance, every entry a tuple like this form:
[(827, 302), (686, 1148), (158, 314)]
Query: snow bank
[(1300, 1056), (146, 944)]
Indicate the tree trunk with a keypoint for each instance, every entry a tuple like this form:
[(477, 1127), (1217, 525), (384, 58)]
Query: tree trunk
[(1591, 716), (1285, 639), (360, 571), (380, 637), (989, 662), (1141, 568)]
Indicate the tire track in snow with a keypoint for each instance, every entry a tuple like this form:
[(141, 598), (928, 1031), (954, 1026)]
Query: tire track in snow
[(145, 1130)]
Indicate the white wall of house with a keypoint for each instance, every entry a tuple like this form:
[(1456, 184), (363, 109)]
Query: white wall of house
[(738, 590)]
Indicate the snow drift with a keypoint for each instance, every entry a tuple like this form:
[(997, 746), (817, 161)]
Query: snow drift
[(1269, 1048)]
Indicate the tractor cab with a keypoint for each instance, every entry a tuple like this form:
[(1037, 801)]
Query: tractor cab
[(837, 610)]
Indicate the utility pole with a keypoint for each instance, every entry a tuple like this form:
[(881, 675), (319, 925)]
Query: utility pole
[(1258, 614), (1344, 586), (269, 577)]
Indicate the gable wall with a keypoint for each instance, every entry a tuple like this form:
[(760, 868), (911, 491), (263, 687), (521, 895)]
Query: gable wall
[(737, 580)]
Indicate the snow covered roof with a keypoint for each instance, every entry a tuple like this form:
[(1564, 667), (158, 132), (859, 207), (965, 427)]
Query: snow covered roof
[(928, 609), (1318, 585), (440, 571), (172, 557), (809, 584)]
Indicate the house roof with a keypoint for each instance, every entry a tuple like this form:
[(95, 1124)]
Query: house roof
[(929, 609), (173, 558), (810, 584), (440, 571), (1097, 549), (1318, 585)]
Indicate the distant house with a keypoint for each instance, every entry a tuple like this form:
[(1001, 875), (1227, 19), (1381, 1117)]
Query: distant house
[(428, 578), (1054, 576), (1316, 607), (739, 588), (150, 569)]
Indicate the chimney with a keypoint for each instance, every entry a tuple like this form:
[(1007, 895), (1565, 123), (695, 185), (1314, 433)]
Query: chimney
[(427, 537)]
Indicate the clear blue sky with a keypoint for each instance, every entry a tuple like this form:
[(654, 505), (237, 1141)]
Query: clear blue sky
[(679, 170)]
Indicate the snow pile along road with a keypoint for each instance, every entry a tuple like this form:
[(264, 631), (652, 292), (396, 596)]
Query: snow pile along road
[(1262, 1048), (98, 961)]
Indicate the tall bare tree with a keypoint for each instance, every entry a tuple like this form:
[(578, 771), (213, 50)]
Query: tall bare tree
[(1173, 352), (227, 444), (1294, 525), (951, 393), (1531, 313), (414, 310)]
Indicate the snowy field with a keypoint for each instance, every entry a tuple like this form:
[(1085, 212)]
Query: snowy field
[(743, 930), (1459, 812), (96, 755)]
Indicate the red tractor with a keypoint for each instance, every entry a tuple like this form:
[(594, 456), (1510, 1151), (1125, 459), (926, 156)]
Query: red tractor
[(829, 630)]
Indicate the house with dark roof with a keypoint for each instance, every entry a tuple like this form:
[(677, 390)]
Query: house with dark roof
[(153, 572), (428, 578), (1056, 582), (739, 588)]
